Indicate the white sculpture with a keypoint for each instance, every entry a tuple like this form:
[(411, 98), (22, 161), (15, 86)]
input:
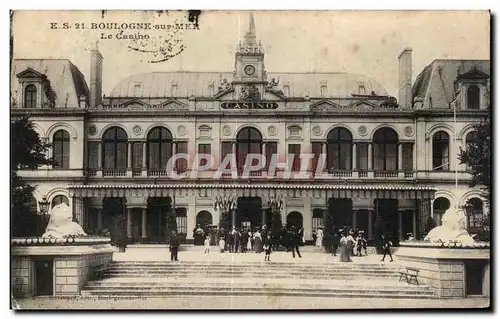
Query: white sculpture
[(453, 228), (61, 224), (319, 238)]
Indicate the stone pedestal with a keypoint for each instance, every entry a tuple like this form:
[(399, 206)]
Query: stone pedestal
[(70, 262), (444, 268)]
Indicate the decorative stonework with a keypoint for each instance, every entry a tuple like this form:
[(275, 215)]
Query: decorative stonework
[(408, 130), (137, 129), (271, 130), (92, 129), (362, 130), (226, 130), (317, 130), (181, 130)]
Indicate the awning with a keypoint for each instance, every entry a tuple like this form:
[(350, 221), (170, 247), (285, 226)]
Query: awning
[(254, 190)]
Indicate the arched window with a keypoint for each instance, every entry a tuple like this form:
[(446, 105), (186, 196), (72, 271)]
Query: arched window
[(469, 140), (204, 218), (159, 148), (58, 200), (249, 141), (115, 150), (294, 219), (439, 207), (61, 149), (441, 151), (385, 150), (473, 97), (30, 97), (475, 212), (339, 150)]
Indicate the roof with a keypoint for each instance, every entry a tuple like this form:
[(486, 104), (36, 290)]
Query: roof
[(66, 80), (435, 84), (159, 84)]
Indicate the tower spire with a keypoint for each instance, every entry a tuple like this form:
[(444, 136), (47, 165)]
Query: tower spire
[(250, 38)]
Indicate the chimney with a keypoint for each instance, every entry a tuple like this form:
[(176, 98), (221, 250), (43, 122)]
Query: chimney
[(95, 76), (405, 76)]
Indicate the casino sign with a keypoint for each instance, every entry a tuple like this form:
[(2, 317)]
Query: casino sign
[(249, 105)]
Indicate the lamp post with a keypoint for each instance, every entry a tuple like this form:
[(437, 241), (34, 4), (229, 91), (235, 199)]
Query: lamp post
[(44, 205)]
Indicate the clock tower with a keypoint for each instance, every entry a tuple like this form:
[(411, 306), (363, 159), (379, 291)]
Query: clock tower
[(249, 72)]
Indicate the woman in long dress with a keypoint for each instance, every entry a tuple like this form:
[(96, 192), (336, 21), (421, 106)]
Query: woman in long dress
[(344, 254), (249, 242), (258, 242), (319, 238)]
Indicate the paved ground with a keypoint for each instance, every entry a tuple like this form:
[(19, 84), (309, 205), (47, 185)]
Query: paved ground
[(247, 303), (154, 254)]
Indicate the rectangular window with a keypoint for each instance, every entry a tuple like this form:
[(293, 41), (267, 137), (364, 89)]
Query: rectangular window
[(181, 218), (226, 149), (109, 155), (137, 155), (362, 154), (392, 157), (181, 163), (93, 157), (408, 157), (295, 150), (204, 149), (316, 148), (271, 149), (121, 152)]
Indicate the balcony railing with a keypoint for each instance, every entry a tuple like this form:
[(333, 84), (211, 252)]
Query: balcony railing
[(109, 172), (385, 174)]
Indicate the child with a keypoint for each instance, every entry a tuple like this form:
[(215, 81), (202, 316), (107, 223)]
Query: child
[(207, 245), (359, 245), (267, 249), (222, 244)]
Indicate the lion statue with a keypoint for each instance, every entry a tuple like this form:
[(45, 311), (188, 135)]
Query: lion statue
[(453, 228), (61, 224)]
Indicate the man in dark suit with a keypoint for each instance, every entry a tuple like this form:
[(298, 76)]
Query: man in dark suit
[(174, 245), (295, 241), (335, 242), (237, 236)]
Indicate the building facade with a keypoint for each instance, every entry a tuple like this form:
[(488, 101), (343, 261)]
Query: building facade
[(345, 147)]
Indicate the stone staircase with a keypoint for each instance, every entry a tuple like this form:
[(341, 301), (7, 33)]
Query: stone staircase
[(195, 278)]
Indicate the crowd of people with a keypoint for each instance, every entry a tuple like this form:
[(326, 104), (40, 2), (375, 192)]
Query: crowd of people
[(347, 242)]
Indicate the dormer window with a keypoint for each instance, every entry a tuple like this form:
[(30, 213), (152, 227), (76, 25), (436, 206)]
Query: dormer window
[(30, 96), (323, 89), (473, 97)]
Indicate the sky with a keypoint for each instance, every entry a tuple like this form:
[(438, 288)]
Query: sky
[(362, 42)]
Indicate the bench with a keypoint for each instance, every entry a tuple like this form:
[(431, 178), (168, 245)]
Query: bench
[(410, 274), (98, 271)]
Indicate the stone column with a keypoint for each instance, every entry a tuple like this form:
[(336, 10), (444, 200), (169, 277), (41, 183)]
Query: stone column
[(129, 222), (144, 222), (129, 156), (400, 156), (144, 156), (264, 149), (233, 218), (370, 224), (400, 216), (354, 218), (233, 148), (415, 224), (370, 160), (264, 215), (354, 157), (99, 218)]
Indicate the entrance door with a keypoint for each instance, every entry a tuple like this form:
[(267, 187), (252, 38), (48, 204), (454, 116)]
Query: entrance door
[(44, 274), (158, 207), (387, 219), (474, 277), (294, 219), (341, 211), (249, 212)]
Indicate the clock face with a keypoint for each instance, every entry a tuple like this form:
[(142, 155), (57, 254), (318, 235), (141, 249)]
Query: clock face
[(249, 70)]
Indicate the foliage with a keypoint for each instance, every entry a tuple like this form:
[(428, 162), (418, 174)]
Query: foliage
[(170, 222), (28, 151), (477, 156), (225, 219), (430, 224), (276, 225)]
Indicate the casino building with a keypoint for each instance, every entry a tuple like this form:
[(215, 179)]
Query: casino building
[(391, 163)]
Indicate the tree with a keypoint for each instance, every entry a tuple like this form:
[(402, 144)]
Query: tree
[(329, 230), (477, 156), (27, 151), (170, 222)]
